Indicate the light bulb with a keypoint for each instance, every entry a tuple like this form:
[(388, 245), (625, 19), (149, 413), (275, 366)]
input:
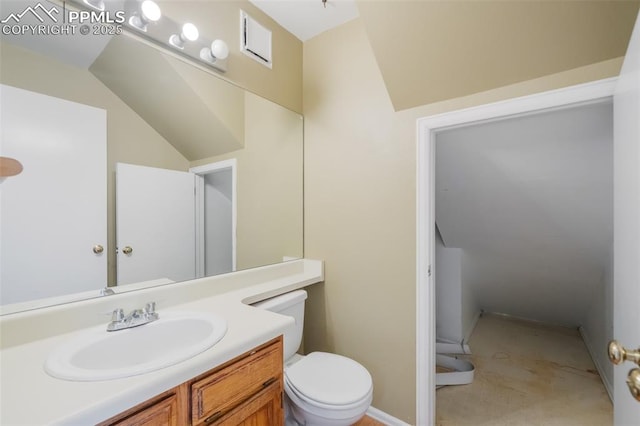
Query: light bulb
[(189, 33), (219, 49), (149, 12)]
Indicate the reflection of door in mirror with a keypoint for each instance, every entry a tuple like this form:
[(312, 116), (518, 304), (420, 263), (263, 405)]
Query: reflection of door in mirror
[(62, 147), (155, 224), (174, 226)]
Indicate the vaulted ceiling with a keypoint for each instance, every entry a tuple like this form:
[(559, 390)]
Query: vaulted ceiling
[(429, 51)]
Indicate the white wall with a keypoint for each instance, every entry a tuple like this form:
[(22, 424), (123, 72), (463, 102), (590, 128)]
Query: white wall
[(529, 200), (218, 222), (597, 325), (457, 308), (448, 274), (470, 305)]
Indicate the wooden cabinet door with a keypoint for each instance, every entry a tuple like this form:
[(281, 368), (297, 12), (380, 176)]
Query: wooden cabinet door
[(264, 409)]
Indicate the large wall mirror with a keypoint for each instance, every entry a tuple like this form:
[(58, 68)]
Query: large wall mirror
[(138, 169)]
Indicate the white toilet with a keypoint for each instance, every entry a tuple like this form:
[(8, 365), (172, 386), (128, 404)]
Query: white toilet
[(322, 389)]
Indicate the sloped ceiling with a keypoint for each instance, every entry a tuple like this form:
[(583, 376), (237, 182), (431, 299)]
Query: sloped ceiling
[(529, 200), (200, 115), (429, 51)]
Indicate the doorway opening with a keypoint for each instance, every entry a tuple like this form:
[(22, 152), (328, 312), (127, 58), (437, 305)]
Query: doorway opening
[(428, 128), (524, 213), (216, 207)]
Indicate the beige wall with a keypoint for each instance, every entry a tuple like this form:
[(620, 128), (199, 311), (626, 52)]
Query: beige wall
[(360, 205), (129, 138), (269, 184)]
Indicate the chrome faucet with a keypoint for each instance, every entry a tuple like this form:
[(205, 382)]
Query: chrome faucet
[(137, 317)]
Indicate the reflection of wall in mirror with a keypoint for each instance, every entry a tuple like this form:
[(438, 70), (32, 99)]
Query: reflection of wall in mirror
[(270, 197), (130, 139), (221, 19)]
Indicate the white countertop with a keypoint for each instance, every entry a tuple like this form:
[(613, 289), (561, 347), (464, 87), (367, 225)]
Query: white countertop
[(29, 396)]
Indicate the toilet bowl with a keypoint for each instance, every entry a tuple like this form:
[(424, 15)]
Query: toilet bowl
[(321, 388)]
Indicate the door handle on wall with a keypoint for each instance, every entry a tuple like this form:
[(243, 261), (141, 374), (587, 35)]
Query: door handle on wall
[(617, 355), (97, 249), (127, 250)]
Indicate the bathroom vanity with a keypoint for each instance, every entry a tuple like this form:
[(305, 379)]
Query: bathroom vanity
[(236, 381), (247, 390)]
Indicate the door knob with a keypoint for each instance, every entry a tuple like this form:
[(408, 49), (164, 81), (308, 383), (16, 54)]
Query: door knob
[(633, 381), (127, 250), (97, 249), (618, 353)]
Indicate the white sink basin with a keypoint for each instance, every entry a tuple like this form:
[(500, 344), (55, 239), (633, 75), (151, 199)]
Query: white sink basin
[(97, 354)]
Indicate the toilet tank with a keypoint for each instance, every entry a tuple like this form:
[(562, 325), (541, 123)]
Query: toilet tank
[(290, 304)]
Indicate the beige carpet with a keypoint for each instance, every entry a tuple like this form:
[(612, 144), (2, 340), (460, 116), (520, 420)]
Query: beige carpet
[(526, 374)]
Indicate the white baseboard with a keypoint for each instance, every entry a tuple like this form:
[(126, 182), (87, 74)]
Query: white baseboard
[(589, 344), (385, 418), (472, 327)]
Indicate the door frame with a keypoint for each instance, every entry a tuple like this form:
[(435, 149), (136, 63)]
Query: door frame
[(201, 171), (427, 128)]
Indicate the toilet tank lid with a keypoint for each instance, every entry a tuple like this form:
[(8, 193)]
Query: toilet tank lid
[(283, 301)]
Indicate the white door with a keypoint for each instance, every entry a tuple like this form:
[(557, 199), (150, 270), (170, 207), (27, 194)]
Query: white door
[(155, 224), (55, 211), (626, 208)]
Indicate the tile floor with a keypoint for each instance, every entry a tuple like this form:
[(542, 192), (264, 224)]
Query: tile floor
[(526, 374)]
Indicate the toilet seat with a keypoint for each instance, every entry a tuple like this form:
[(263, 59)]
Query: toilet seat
[(295, 394), (328, 389), (329, 381)]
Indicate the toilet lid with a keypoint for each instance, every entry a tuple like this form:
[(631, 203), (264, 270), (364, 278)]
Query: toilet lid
[(329, 379)]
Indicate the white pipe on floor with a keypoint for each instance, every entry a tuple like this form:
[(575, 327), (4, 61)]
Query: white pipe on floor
[(462, 376)]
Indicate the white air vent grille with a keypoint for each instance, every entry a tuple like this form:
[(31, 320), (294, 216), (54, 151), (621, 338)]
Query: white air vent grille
[(255, 39)]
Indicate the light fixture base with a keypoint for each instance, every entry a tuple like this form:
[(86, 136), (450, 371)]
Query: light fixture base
[(217, 63)]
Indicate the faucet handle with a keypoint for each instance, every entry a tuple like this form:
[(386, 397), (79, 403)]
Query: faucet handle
[(117, 315), (150, 308)]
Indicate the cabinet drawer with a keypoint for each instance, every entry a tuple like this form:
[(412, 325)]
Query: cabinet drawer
[(262, 409), (215, 395)]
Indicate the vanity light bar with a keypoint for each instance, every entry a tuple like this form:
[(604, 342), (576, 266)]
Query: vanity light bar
[(145, 20)]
